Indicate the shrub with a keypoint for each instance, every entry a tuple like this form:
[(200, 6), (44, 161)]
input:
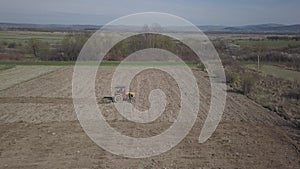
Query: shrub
[(2, 48), (200, 66), (70, 47), (248, 82), (38, 48), (12, 45), (294, 93), (233, 80), (4, 43)]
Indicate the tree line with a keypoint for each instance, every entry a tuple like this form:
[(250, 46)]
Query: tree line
[(71, 45), (67, 50)]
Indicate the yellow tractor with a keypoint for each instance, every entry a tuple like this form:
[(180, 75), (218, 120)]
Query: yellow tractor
[(120, 95)]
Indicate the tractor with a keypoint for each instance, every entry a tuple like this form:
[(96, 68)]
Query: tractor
[(120, 95)]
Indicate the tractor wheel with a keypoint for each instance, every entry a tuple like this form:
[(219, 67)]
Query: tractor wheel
[(132, 100), (107, 100), (118, 98)]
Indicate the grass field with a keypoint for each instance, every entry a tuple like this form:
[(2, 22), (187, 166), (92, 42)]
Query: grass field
[(266, 43), (276, 71), (29, 63), (7, 66), (90, 63), (20, 37)]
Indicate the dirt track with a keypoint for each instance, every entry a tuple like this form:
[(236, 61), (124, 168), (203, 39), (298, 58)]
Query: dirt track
[(39, 129)]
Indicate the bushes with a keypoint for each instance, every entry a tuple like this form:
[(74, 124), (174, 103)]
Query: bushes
[(294, 93), (2, 47), (248, 82), (200, 66), (38, 48), (68, 50), (4, 43), (12, 45), (233, 79), (70, 47), (243, 82), (220, 45)]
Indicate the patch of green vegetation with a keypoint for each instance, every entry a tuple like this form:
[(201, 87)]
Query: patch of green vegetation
[(21, 37), (32, 63), (157, 63), (5, 67), (276, 71), (269, 44), (28, 55), (91, 63)]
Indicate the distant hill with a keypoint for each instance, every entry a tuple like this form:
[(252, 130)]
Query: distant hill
[(266, 28), (5, 26), (211, 28), (262, 28)]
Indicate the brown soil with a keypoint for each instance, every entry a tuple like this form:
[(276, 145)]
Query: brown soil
[(39, 129)]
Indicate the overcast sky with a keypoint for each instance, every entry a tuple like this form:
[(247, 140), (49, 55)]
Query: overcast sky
[(199, 12)]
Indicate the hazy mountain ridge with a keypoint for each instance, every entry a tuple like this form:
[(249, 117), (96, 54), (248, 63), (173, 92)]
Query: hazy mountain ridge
[(261, 28), (47, 26), (266, 28)]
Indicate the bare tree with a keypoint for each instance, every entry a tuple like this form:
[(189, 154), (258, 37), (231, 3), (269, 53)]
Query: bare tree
[(38, 48)]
